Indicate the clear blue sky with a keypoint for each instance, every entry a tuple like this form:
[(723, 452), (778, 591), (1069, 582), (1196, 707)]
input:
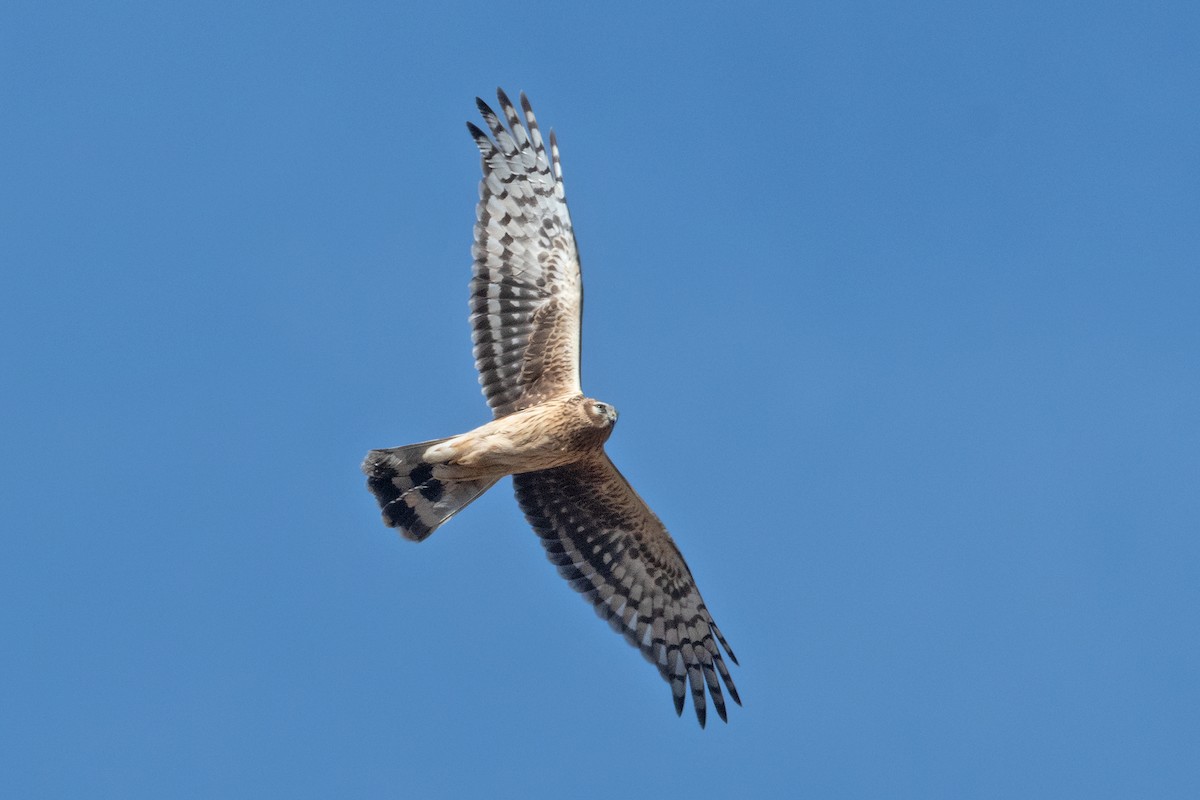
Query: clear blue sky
[(900, 304)]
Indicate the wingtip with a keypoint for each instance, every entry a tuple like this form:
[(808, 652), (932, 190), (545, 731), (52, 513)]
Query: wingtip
[(481, 139), (526, 106)]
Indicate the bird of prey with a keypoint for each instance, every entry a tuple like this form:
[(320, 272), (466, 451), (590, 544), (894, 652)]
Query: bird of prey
[(526, 310)]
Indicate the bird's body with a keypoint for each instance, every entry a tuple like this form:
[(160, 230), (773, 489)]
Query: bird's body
[(527, 303), (553, 433)]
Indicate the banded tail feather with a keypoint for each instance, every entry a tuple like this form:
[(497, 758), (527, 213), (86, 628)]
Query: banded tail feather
[(411, 499)]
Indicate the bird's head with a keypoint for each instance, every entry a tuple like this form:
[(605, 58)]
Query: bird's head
[(602, 415)]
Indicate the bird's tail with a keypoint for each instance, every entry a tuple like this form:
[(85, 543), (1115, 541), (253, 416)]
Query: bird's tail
[(413, 501)]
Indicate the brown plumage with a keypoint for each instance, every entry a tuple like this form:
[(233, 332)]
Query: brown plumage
[(526, 311)]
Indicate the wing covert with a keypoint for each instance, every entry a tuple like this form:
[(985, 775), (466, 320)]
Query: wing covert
[(612, 548), (526, 292)]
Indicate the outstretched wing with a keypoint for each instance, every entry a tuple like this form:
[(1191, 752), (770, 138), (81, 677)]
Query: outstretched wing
[(611, 547), (526, 295)]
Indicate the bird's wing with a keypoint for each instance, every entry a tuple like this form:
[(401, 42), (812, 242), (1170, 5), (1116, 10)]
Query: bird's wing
[(612, 548), (526, 294)]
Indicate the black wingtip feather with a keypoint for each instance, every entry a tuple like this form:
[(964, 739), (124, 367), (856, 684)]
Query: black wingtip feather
[(490, 117), (485, 145), (526, 106), (502, 97)]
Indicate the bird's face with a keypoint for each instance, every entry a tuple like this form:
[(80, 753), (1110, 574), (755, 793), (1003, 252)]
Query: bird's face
[(602, 415)]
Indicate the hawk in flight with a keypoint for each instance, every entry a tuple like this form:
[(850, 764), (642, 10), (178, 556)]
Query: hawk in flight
[(526, 310)]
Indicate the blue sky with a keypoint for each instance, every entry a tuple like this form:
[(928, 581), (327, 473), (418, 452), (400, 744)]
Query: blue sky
[(898, 303)]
